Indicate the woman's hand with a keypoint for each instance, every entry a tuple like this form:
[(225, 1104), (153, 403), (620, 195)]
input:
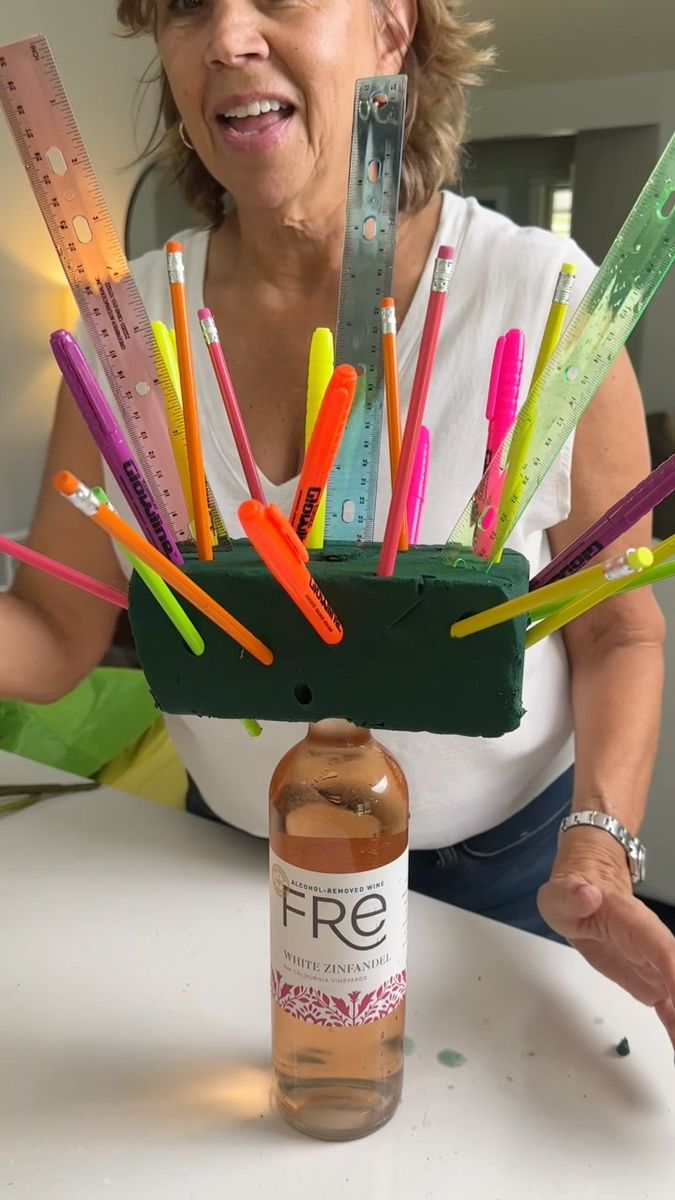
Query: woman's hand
[(590, 902)]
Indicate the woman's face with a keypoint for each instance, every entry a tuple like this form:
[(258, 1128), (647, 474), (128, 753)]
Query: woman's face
[(290, 65)]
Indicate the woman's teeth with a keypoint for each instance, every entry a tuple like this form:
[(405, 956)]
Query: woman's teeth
[(255, 108)]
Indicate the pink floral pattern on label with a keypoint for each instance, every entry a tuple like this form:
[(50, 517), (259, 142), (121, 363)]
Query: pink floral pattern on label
[(316, 1007)]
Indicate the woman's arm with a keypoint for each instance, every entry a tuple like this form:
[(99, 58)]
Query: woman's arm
[(615, 654), (51, 634), (614, 651)]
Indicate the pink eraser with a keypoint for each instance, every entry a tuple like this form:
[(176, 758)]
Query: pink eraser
[(446, 252)]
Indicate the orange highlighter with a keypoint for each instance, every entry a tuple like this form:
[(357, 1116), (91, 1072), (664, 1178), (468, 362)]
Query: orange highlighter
[(285, 557), (322, 449)]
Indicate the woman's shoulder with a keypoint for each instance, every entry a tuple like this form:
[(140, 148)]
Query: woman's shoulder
[(492, 242)]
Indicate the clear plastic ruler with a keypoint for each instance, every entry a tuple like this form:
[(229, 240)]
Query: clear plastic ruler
[(69, 196), (365, 280), (635, 266)]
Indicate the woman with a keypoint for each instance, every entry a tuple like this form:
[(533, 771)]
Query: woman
[(258, 104)]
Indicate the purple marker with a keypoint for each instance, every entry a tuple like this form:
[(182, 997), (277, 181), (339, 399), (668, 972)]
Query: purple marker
[(616, 521), (112, 443)]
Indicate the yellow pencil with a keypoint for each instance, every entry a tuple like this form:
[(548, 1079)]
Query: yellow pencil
[(82, 498), (563, 589), (524, 429), (319, 372), (664, 550), (642, 560)]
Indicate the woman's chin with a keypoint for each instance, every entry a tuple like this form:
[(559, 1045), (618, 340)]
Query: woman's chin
[(269, 193)]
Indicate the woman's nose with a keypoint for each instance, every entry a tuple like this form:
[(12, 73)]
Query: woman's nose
[(236, 34)]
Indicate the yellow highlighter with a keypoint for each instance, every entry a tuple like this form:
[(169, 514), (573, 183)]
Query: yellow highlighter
[(524, 429), (165, 340), (166, 345), (319, 372)]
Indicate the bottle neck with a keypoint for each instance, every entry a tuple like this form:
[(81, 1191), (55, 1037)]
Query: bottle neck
[(337, 731)]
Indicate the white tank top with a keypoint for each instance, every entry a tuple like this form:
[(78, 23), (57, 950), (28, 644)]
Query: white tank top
[(504, 277)]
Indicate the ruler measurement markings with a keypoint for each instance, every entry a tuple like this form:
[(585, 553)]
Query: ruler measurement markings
[(105, 261)]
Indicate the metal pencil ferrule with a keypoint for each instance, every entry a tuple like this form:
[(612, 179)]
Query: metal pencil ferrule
[(620, 568), (388, 317), (209, 330), (175, 267), (84, 500), (442, 274), (563, 290)]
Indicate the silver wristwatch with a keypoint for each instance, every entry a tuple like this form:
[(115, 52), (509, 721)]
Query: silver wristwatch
[(635, 849)]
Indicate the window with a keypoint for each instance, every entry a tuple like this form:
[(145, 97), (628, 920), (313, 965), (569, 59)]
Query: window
[(560, 210)]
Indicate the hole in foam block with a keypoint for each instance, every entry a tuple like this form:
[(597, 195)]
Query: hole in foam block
[(303, 693), (464, 616)]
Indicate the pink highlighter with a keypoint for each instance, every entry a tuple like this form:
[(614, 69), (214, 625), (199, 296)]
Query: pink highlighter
[(502, 406), (418, 486)]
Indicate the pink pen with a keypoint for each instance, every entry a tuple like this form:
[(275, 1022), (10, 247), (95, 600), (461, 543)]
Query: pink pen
[(501, 413), (432, 327), (212, 339), (418, 486), (51, 566)]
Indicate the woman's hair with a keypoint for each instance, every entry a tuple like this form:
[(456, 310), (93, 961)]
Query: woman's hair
[(445, 57)]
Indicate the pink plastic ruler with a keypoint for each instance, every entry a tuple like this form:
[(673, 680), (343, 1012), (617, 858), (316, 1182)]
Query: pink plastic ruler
[(70, 199)]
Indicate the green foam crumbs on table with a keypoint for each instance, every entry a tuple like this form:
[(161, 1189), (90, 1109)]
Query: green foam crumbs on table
[(450, 1058), (623, 1048)]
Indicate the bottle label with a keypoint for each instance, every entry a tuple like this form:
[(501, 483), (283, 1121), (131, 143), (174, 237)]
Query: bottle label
[(338, 942)]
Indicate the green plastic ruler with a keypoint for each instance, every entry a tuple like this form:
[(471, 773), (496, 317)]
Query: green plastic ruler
[(636, 265)]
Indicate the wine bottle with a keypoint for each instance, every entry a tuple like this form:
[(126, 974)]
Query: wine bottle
[(338, 898)]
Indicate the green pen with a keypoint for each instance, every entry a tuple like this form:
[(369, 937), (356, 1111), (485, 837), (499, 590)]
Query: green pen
[(162, 593), (167, 601)]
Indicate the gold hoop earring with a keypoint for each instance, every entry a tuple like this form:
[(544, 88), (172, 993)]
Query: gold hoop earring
[(183, 136)]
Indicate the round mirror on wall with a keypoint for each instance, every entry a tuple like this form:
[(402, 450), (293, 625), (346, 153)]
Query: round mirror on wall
[(157, 212)]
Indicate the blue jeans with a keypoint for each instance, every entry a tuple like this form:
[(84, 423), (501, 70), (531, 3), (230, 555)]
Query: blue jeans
[(498, 873)]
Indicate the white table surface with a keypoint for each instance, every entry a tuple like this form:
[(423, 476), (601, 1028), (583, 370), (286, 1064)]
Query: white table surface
[(134, 1048)]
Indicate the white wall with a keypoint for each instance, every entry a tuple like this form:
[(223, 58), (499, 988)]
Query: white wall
[(99, 72), (597, 104)]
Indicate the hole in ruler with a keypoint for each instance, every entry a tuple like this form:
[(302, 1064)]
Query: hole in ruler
[(667, 202), (56, 160), (571, 374), (83, 230), (369, 230), (379, 100), (374, 170), (348, 511), (303, 693), (142, 388)]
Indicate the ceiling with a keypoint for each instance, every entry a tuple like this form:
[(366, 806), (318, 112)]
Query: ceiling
[(546, 41)]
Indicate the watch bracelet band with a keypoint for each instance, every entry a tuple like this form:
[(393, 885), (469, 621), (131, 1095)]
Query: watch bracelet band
[(633, 847)]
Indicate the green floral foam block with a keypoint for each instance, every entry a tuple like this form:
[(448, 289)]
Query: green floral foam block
[(396, 668)]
